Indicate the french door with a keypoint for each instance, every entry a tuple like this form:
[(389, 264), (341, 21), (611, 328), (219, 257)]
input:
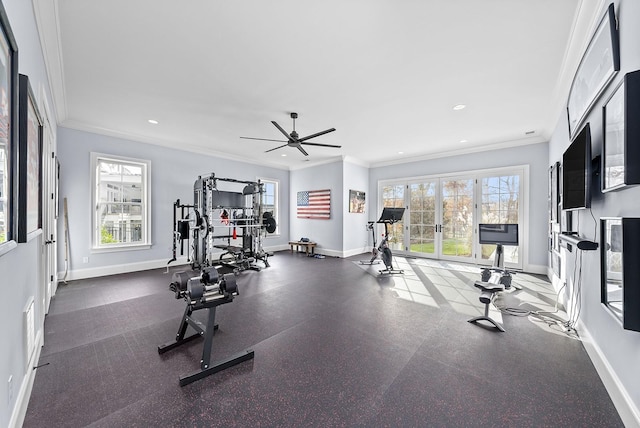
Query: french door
[(442, 214)]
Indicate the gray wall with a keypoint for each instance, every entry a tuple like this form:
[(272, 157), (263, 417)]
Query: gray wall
[(172, 175), (620, 348), (355, 237), (20, 267), (327, 233), (534, 155)]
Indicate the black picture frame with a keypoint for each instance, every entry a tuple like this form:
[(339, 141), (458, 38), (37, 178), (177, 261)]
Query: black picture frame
[(621, 131), (619, 269), (554, 192), (357, 201), (29, 161), (591, 77), (8, 128)]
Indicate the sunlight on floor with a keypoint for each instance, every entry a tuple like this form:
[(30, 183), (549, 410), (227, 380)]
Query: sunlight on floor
[(436, 283)]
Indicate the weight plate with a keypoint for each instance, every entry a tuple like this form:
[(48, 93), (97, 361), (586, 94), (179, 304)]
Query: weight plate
[(195, 288), (270, 224), (180, 279), (230, 283)]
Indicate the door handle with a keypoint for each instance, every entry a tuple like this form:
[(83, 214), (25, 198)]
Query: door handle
[(49, 242)]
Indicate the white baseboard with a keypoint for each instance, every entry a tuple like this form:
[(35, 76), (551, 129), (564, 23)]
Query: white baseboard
[(328, 252), (22, 400), (627, 410), (357, 251), (136, 267), (539, 269), (116, 269)]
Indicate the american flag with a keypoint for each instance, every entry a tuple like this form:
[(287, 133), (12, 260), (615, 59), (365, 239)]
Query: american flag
[(314, 204)]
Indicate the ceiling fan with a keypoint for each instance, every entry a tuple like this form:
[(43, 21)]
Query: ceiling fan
[(293, 140)]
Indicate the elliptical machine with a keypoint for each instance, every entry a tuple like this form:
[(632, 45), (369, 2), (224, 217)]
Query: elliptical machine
[(388, 216)]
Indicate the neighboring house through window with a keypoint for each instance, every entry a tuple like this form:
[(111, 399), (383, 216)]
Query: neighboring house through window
[(121, 202)]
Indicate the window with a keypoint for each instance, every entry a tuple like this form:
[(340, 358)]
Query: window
[(121, 201), (270, 200), (4, 191), (443, 211), (501, 199)]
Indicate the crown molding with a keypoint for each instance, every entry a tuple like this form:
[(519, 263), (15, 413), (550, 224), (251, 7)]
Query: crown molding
[(170, 144), (48, 26)]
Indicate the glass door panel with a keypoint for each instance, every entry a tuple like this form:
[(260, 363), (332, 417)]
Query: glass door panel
[(423, 206), (393, 196), (500, 203), (457, 218)]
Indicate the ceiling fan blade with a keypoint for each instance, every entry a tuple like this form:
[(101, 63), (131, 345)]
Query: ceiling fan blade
[(302, 150), (320, 144), (279, 147), (263, 139), (281, 130), (316, 134)]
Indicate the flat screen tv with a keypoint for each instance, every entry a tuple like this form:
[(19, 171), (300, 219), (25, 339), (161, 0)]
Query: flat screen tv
[(576, 172), (503, 234)]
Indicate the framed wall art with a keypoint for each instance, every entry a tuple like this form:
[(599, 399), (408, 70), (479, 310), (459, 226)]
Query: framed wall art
[(30, 162), (8, 128), (620, 271), (598, 66), (554, 192), (621, 129), (314, 204), (356, 201)]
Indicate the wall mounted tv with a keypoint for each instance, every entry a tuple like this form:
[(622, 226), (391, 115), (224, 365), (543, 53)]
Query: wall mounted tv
[(576, 172)]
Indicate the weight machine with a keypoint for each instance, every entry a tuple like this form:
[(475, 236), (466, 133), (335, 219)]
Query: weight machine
[(388, 217), (496, 278), (203, 290), (218, 217)]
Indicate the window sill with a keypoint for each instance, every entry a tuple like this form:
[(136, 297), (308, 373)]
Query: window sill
[(120, 248), (5, 247)]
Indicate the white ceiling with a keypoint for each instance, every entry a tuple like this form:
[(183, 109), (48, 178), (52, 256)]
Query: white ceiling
[(386, 74)]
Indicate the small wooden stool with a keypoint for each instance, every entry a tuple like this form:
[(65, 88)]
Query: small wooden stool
[(309, 247)]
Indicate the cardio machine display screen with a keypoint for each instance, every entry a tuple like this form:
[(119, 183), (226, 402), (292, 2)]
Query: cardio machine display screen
[(504, 234)]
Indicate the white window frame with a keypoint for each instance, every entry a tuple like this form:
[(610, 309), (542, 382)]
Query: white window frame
[(276, 215), (523, 231), (145, 243)]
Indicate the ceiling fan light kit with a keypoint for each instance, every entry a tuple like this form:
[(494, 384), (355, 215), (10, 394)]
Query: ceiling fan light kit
[(293, 139)]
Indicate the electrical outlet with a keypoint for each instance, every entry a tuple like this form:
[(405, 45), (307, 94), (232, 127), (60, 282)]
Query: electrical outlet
[(85, 260), (10, 388)]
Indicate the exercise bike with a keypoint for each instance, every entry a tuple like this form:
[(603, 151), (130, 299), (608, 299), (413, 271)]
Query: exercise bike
[(388, 216), (496, 278)]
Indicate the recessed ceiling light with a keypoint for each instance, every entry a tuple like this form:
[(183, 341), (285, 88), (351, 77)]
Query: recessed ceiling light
[(463, 141), (400, 153), (153, 121), (459, 107), (283, 155)]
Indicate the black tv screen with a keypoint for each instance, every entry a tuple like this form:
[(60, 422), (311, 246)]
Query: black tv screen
[(576, 172), (503, 234)]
